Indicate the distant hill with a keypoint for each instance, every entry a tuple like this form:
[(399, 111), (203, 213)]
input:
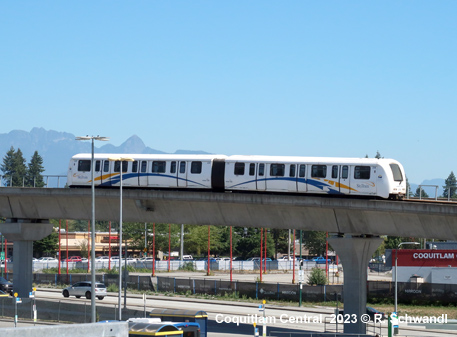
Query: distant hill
[(56, 148)]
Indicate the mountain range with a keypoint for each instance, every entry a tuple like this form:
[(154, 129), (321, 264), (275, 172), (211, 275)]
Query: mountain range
[(56, 149)]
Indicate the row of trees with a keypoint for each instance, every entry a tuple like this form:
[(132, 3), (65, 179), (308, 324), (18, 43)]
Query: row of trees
[(15, 171), (245, 241)]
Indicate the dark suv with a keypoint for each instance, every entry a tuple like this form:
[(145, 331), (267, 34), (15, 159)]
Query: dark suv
[(6, 286)]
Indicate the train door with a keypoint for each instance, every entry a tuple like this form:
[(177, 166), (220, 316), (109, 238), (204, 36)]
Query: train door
[(277, 177), (182, 174), (98, 173), (105, 178), (143, 173), (301, 180), (344, 180), (260, 177)]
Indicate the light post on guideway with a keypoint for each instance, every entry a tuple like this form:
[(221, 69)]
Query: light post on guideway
[(92, 252), (396, 276), (121, 169)]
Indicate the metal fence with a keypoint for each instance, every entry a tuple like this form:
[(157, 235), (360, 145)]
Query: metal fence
[(49, 181)]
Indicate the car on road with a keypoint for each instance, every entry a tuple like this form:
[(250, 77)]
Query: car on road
[(83, 288), (6, 286)]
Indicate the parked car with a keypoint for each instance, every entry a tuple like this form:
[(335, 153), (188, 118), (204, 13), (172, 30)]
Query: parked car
[(47, 259), (258, 259), (103, 259), (6, 286), (83, 288), (74, 259), (321, 260)]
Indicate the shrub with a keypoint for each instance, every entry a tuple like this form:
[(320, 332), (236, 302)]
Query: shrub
[(317, 277)]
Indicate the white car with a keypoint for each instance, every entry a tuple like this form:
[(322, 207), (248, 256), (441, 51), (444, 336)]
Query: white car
[(47, 259), (83, 288)]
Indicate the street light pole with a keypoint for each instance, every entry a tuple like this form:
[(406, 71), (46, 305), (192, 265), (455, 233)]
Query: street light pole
[(120, 160), (396, 263), (92, 255)]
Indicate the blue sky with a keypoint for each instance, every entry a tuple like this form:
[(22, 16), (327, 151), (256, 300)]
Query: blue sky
[(307, 78)]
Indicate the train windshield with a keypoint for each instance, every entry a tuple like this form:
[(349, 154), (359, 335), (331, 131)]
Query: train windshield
[(398, 176)]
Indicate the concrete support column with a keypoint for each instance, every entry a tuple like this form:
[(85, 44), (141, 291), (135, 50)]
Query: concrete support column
[(22, 232), (355, 253)]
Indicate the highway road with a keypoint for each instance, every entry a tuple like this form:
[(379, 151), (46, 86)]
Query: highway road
[(229, 318)]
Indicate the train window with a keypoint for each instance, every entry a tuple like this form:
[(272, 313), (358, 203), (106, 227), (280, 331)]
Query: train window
[(158, 166), (292, 170), (239, 169), (97, 166), (301, 174), (345, 172), (362, 172), (196, 167), (334, 171), (117, 166), (106, 166), (252, 169), (319, 171), (261, 170), (84, 165), (182, 167), (134, 166), (277, 170), (144, 165), (173, 167), (396, 172)]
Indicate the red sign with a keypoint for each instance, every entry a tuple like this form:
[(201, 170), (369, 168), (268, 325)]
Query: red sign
[(425, 258)]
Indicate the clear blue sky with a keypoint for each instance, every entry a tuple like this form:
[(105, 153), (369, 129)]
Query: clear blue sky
[(308, 78)]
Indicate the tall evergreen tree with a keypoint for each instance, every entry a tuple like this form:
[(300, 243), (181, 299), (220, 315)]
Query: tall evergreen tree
[(35, 168), (450, 186), (14, 168), (421, 193)]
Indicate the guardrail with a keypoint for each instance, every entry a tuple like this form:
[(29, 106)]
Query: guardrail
[(55, 181)]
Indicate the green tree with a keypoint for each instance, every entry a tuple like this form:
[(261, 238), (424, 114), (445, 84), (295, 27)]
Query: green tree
[(249, 244), (281, 240), (317, 277), (316, 242), (421, 193), (450, 185), (14, 168), (46, 246), (34, 171)]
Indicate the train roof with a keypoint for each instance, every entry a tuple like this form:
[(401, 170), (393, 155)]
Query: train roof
[(323, 160), (150, 156)]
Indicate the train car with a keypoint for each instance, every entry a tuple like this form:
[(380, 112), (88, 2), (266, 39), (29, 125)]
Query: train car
[(384, 178), (186, 316)]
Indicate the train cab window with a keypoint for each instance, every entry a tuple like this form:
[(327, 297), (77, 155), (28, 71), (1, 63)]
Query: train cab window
[(158, 166), (134, 166), (97, 166), (319, 171), (277, 170), (173, 167), (182, 167), (261, 170), (345, 172), (292, 170), (301, 173), (106, 166), (239, 169), (84, 165), (398, 176), (196, 167), (334, 171), (362, 172), (144, 165), (252, 169)]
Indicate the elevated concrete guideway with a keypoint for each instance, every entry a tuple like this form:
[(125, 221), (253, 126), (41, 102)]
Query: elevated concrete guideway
[(336, 215), (358, 223)]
